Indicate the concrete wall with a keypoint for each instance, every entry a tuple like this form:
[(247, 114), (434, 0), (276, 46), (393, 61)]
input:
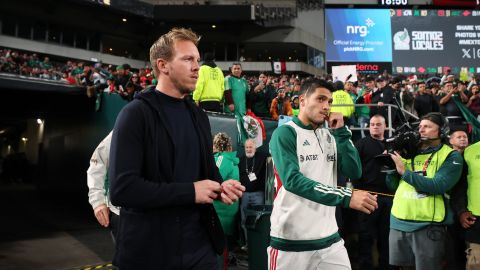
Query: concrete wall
[(312, 22), (308, 28), (291, 35)]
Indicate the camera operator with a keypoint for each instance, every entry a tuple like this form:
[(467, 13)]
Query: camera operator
[(421, 210), (376, 225)]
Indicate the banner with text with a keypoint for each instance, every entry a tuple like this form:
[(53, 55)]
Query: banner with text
[(358, 35), (364, 68), (431, 41)]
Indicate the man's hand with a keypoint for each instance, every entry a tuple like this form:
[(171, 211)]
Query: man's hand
[(380, 104), (398, 162), (363, 201), (231, 107), (335, 120), (206, 191), (259, 87), (231, 191), (467, 219), (102, 214)]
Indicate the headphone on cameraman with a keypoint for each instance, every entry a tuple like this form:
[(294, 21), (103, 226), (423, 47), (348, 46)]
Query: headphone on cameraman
[(441, 121)]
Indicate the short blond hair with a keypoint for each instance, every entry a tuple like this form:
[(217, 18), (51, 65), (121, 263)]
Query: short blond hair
[(163, 47)]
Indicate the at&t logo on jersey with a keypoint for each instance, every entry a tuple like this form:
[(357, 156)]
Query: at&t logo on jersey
[(308, 158)]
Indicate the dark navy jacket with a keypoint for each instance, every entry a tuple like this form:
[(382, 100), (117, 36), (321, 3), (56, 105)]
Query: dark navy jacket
[(142, 184)]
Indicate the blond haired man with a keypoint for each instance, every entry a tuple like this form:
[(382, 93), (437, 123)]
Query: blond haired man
[(163, 175)]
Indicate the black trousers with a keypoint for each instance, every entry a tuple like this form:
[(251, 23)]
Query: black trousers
[(114, 226), (211, 106), (375, 226)]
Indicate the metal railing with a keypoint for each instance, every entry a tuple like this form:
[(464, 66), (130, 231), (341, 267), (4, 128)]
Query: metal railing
[(389, 115)]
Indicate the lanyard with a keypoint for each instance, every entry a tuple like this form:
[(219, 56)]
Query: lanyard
[(425, 165), (246, 165)]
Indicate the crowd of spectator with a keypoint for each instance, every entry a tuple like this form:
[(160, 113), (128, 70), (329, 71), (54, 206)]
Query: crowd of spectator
[(456, 98), (270, 95), (121, 79)]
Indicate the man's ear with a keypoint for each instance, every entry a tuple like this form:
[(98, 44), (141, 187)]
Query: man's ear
[(301, 100), (162, 65)]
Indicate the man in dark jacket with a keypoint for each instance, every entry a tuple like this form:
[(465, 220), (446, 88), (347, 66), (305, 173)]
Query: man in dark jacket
[(162, 169), (382, 96), (376, 225), (424, 101)]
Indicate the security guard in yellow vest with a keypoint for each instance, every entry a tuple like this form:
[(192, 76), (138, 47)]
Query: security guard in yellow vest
[(421, 208), (466, 203), (341, 97), (210, 85)]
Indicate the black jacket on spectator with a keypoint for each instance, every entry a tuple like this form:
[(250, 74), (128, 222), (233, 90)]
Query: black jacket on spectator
[(372, 178), (424, 104), (450, 108), (156, 206), (259, 163), (259, 101), (384, 95)]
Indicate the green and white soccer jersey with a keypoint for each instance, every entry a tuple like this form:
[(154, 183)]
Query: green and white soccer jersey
[(306, 161)]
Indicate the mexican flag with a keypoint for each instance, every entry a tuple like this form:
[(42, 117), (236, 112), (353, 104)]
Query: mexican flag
[(279, 67), (474, 123)]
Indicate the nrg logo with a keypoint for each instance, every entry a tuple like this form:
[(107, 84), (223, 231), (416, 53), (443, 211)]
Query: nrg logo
[(362, 30)]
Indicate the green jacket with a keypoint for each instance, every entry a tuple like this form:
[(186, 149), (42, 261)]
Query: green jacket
[(361, 110), (227, 163)]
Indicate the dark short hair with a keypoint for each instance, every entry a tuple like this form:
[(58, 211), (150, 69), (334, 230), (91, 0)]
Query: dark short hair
[(369, 79), (458, 129), (397, 80), (436, 118), (309, 86), (338, 85), (440, 121), (208, 56)]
